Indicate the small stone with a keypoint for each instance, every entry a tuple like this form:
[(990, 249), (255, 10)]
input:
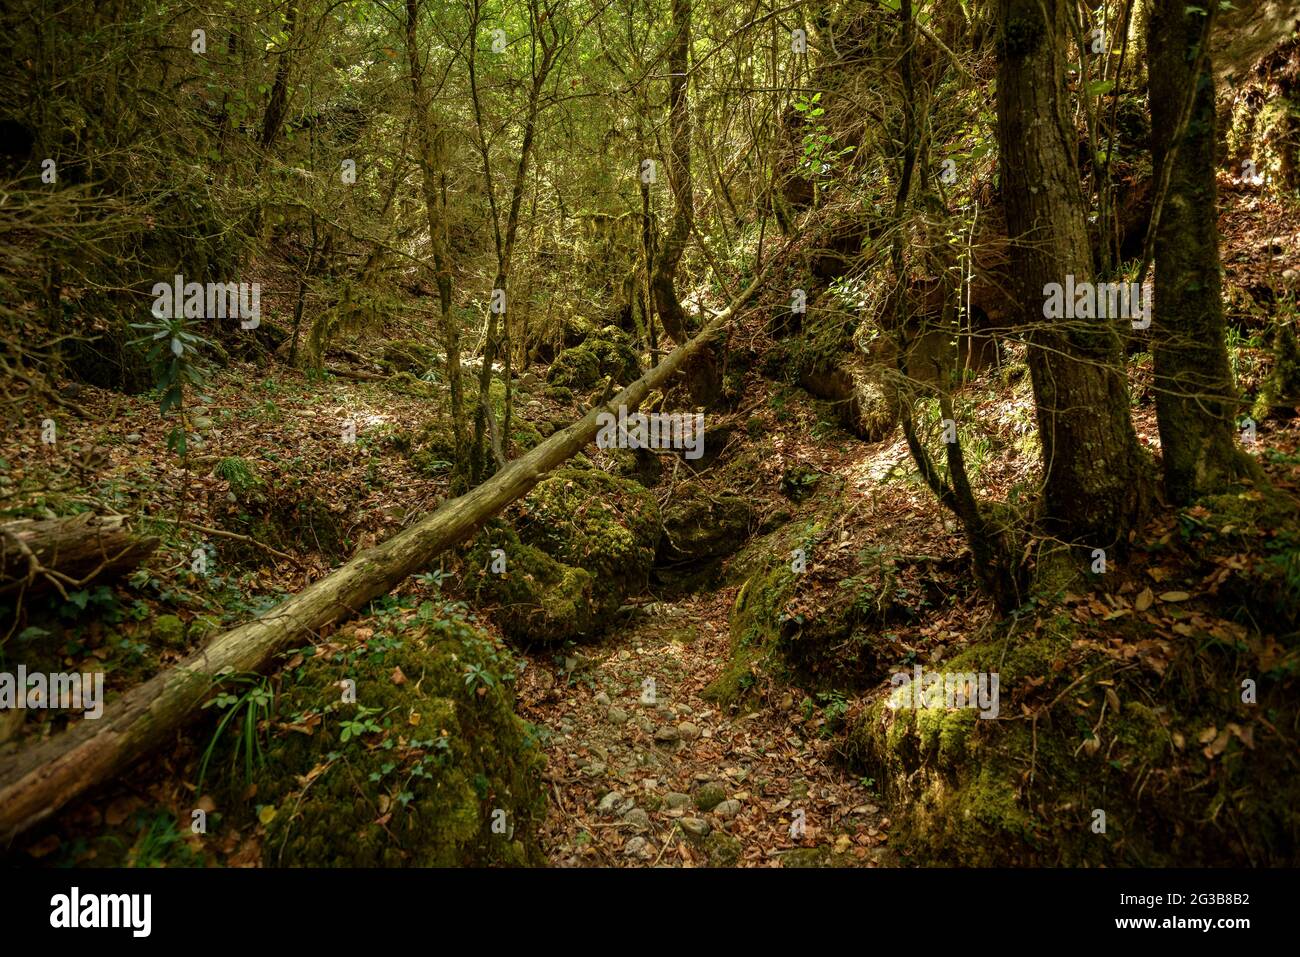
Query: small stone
[(723, 849), (637, 847), (727, 809), (667, 734), (645, 724), (688, 731), (602, 699), (695, 827), (169, 630), (709, 796), (637, 819), (676, 800), (610, 802), (617, 715)]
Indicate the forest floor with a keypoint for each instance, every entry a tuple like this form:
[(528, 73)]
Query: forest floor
[(643, 770)]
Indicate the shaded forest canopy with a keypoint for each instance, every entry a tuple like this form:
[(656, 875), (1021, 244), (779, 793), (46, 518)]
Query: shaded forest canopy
[(532, 432)]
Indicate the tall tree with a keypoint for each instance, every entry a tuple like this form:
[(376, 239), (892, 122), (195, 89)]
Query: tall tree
[(701, 375), (1196, 402), (431, 159), (1095, 479), (546, 42), (664, 281)]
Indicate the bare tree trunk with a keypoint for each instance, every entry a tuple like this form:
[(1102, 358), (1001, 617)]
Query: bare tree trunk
[(991, 556), (435, 204), (548, 41), (702, 380)]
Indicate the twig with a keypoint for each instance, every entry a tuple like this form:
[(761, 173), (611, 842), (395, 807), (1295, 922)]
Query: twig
[(233, 536)]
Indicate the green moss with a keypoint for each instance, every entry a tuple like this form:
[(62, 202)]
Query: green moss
[(411, 356), (535, 598), (722, 849), (814, 625), (576, 368), (431, 762), (613, 350), (588, 519), (736, 678), (605, 353), (699, 526), (240, 475), (169, 630), (432, 450), (1078, 732), (1250, 535), (1281, 392)]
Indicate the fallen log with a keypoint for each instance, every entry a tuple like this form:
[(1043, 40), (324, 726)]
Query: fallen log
[(69, 552), (36, 781)]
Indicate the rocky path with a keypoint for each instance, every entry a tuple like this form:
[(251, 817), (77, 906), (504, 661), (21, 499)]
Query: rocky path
[(644, 772)]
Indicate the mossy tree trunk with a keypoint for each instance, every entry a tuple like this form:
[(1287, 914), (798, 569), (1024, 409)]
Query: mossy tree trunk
[(1095, 481), (1196, 402)]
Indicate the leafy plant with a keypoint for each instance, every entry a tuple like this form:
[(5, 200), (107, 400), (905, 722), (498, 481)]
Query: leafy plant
[(818, 144), (253, 705), (176, 356), (360, 724)]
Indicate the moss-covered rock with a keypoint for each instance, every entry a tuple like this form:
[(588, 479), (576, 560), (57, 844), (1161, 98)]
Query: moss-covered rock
[(576, 368), (816, 623), (411, 356), (432, 449), (169, 630), (605, 353), (1090, 726), (591, 520), (699, 526), (530, 595), (613, 350), (430, 767)]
